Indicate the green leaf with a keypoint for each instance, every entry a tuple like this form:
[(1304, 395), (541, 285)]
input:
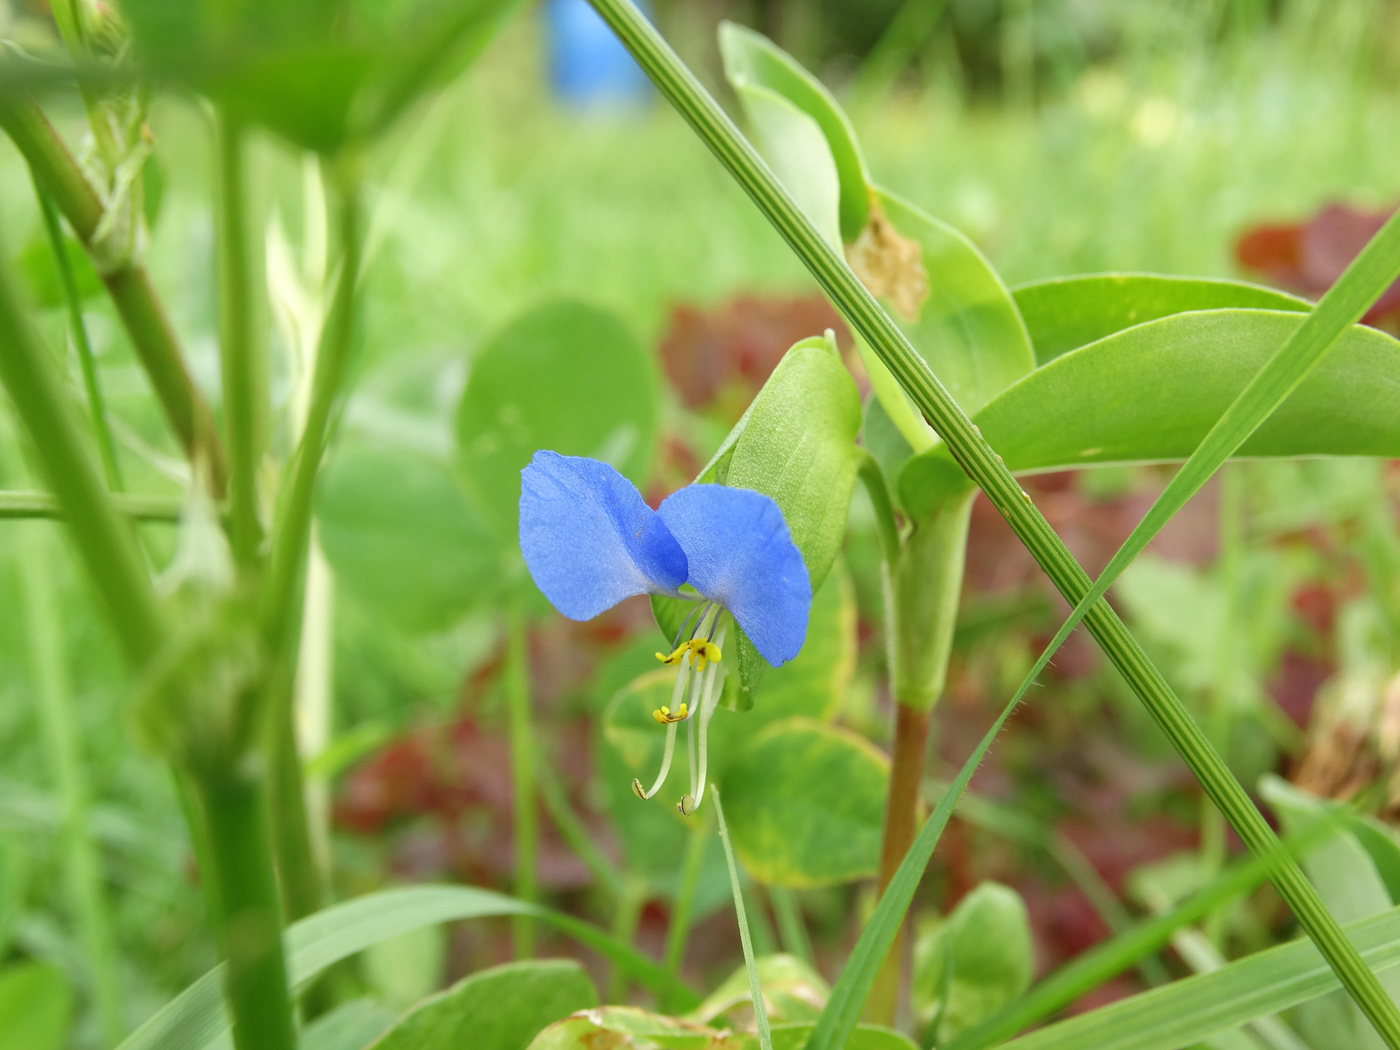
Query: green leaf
[(405, 539), (815, 682), (566, 377), (503, 1008), (36, 1007), (863, 1037), (1151, 393), (792, 990), (968, 329), (753, 61), (628, 1027), (350, 1026), (1190, 1010), (987, 940), (196, 1016), (1064, 313), (1345, 878), (321, 73), (36, 264), (806, 804)]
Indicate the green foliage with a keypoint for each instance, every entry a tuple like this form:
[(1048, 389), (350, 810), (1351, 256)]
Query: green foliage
[(1092, 406), (403, 536), (350, 1026), (806, 804), (792, 990), (503, 1008), (1065, 313), (36, 1006), (565, 377), (40, 271), (974, 963)]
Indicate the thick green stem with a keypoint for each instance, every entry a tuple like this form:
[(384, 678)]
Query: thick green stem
[(522, 774), (97, 409), (127, 283), (980, 462), (300, 874), (54, 700), (241, 350), (104, 541), (250, 930)]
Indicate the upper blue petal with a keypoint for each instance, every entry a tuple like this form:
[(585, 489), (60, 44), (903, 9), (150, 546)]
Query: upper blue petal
[(588, 537), (742, 556)]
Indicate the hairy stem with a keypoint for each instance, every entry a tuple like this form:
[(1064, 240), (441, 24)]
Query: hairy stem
[(522, 773), (979, 460), (250, 930), (241, 351), (127, 282)]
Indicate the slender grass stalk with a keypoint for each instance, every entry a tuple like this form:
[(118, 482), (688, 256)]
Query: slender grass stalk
[(77, 330), (905, 35), (760, 1010), (69, 16), (682, 909), (82, 863), (127, 281), (791, 927), (627, 912), (104, 541), (242, 353), (522, 774), (250, 913), (979, 460), (573, 831)]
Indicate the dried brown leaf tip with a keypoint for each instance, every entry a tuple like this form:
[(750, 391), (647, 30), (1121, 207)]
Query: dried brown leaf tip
[(889, 265)]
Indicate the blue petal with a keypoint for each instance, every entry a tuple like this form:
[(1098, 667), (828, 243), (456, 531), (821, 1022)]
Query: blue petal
[(589, 539), (742, 556)]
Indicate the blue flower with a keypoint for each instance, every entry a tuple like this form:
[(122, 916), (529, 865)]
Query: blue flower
[(590, 540)]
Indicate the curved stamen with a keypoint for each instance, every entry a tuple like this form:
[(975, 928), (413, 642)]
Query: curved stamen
[(705, 709), (678, 701)]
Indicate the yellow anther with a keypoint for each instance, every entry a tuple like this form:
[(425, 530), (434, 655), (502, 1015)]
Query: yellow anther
[(702, 651), (677, 656), (664, 716)]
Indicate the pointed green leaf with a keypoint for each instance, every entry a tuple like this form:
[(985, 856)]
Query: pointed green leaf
[(404, 538), (350, 1026), (503, 1008), (1152, 392), (1065, 313), (806, 804), (751, 59), (565, 377), (1187, 1011)]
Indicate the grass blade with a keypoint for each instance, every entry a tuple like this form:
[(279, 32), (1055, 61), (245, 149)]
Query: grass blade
[(760, 1012), (972, 452), (196, 1015)]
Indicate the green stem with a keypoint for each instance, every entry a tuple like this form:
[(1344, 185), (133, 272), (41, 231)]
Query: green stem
[(980, 462), (241, 351), (127, 282), (300, 875), (20, 505), (97, 408), (82, 863), (104, 541), (250, 931), (573, 831), (682, 909), (760, 1011), (69, 17), (522, 771), (791, 926)]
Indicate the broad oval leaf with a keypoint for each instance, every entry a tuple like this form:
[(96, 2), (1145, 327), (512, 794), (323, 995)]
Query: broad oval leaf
[(565, 377), (502, 1008), (751, 59), (1065, 313), (36, 1007), (805, 803), (402, 535), (976, 962), (1152, 392)]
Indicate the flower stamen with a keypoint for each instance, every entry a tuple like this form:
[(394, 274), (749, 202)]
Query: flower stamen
[(664, 716)]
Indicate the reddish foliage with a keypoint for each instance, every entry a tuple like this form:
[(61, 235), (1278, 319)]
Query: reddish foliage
[(1309, 256)]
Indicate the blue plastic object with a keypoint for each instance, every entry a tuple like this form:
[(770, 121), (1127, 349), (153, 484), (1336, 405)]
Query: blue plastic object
[(587, 65)]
